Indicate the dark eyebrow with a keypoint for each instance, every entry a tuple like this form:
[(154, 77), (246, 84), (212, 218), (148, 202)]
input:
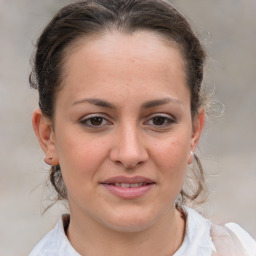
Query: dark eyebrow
[(148, 104), (154, 103), (97, 102)]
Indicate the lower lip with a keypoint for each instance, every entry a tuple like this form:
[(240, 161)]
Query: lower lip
[(129, 193)]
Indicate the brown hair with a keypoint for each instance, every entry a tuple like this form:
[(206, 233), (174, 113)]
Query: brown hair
[(89, 17)]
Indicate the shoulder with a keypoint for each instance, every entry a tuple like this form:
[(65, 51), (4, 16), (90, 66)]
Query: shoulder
[(246, 240), (55, 243), (232, 239), (46, 245), (197, 240), (206, 238)]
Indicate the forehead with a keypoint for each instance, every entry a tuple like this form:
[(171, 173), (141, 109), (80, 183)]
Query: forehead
[(114, 60), (114, 45)]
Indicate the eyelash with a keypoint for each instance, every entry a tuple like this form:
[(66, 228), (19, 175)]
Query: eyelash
[(90, 118), (167, 121), (166, 118)]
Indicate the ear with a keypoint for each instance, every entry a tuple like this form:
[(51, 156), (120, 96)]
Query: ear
[(198, 125), (45, 134)]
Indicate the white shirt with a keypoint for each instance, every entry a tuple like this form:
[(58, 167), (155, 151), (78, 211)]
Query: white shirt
[(197, 241)]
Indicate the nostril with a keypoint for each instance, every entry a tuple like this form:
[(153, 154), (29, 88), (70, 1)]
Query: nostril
[(133, 165), (128, 165), (129, 153)]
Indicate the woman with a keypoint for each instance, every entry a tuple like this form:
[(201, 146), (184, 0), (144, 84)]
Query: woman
[(121, 113)]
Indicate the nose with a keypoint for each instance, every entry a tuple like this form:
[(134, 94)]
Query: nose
[(128, 148)]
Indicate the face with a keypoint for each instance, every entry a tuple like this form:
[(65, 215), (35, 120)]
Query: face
[(123, 133)]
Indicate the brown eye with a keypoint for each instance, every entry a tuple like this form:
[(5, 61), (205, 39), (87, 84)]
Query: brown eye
[(94, 121), (159, 120)]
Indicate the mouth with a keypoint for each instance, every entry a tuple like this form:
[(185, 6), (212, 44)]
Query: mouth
[(128, 187)]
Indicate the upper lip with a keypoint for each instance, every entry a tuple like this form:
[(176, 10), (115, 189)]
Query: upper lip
[(127, 180)]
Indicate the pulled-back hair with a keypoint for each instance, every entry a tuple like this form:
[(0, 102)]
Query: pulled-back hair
[(91, 17)]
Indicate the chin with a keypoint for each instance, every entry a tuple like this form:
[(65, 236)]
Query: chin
[(132, 220), (128, 226)]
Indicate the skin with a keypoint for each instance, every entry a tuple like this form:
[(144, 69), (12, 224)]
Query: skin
[(129, 74)]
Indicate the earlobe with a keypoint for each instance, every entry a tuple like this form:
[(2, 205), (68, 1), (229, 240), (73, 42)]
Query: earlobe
[(45, 135), (198, 125), (191, 158)]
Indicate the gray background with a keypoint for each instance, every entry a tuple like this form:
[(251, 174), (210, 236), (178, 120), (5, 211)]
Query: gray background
[(228, 147)]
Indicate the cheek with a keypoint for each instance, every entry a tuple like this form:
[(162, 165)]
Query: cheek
[(80, 157), (172, 161), (174, 153)]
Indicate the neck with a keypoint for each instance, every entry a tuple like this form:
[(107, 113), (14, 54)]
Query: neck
[(164, 237)]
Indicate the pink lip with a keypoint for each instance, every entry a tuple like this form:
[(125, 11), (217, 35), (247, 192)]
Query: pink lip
[(130, 192), (128, 180)]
